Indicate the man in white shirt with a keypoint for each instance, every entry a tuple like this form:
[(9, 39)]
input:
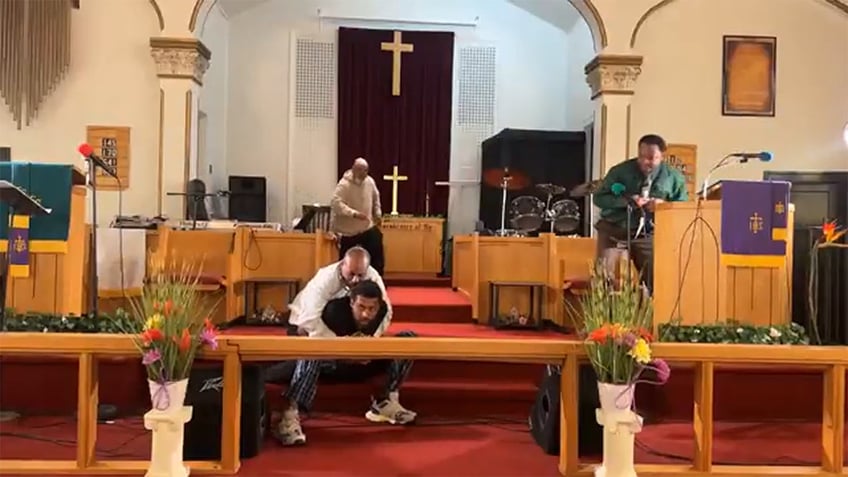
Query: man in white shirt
[(356, 213), (346, 298)]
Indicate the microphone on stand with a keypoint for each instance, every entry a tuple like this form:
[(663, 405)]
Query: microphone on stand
[(88, 153), (643, 220), (617, 190), (740, 158)]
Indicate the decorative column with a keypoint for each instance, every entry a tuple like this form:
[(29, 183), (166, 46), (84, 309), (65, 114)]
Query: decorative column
[(612, 79), (181, 64)]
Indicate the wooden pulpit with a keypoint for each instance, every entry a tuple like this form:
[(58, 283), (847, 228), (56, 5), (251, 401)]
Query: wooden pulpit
[(58, 242), (692, 284)]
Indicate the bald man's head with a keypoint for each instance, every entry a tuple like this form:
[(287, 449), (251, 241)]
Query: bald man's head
[(360, 169), (355, 265)]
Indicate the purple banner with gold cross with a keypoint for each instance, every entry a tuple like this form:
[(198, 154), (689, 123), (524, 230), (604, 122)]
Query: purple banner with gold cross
[(754, 223), (18, 252)]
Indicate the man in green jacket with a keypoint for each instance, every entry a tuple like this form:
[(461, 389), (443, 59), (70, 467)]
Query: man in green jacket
[(642, 182)]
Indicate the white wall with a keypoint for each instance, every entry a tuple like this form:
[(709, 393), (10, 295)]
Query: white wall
[(683, 103), (111, 82), (579, 110), (213, 101), (533, 89)]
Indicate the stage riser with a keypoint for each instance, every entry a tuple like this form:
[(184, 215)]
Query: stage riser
[(48, 386), (432, 314)]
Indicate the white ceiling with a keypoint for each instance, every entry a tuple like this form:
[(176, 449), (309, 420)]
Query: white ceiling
[(234, 7), (558, 13)]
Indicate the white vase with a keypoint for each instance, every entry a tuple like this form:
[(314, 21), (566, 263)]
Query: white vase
[(620, 425), (167, 397)]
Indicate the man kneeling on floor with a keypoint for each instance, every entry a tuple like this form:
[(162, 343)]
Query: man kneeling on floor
[(361, 313)]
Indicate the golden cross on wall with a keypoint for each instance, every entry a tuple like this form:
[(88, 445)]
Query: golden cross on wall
[(397, 47), (755, 223), (395, 178)]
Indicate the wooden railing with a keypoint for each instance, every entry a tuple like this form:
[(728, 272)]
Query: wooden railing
[(234, 350)]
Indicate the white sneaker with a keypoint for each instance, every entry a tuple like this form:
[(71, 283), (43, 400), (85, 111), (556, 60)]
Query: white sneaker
[(390, 411), (289, 432)]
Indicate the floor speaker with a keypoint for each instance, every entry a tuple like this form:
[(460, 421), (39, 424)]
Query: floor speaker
[(545, 413), (204, 394)]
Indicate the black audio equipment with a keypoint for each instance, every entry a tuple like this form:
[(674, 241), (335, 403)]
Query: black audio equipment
[(5, 154), (248, 198), (545, 413), (203, 431)]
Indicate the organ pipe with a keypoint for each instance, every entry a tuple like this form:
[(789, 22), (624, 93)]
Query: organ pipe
[(35, 53)]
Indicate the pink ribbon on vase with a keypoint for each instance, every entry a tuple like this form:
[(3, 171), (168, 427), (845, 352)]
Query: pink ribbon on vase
[(161, 392)]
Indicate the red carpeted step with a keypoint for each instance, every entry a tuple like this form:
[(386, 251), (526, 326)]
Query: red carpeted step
[(416, 280), (429, 305)]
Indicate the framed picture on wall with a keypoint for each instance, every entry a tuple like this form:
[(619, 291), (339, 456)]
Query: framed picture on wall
[(749, 76)]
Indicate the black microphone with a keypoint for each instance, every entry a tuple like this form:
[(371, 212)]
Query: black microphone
[(763, 156), (88, 153)]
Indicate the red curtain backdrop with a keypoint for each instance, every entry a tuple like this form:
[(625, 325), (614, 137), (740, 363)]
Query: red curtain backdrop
[(413, 130)]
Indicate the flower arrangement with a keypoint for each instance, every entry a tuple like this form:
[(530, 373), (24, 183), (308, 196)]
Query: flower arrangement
[(617, 316), (169, 326), (831, 233)]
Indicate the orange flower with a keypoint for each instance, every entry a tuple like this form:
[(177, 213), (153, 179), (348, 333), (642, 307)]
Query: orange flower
[(599, 335), (156, 306), (208, 325), (646, 335), (151, 335), (830, 233), (184, 341), (168, 308)]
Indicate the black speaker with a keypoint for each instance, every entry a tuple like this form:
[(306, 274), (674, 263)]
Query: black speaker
[(248, 198), (5, 154), (544, 414), (203, 432)]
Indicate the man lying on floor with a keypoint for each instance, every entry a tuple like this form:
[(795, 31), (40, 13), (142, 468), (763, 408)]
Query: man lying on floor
[(349, 306)]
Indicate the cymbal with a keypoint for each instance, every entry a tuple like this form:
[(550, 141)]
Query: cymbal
[(586, 188), (497, 177), (551, 189)]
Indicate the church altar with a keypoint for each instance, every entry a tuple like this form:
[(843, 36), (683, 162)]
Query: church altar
[(413, 244)]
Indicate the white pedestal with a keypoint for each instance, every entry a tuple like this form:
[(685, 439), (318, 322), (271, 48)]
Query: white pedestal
[(620, 428), (166, 454)]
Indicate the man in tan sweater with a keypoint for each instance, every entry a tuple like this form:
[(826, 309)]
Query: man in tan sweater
[(356, 213)]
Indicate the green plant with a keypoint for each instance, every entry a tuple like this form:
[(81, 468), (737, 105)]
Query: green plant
[(31, 322), (732, 332), (170, 324), (617, 317)]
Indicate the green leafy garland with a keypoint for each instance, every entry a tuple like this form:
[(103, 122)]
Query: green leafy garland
[(733, 332), (730, 332), (118, 322)]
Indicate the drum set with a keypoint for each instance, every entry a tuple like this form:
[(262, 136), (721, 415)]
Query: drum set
[(558, 213)]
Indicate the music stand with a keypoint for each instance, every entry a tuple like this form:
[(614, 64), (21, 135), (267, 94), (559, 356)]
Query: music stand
[(19, 203)]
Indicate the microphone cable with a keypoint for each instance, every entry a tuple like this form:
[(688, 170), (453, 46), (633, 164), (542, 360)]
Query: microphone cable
[(683, 266)]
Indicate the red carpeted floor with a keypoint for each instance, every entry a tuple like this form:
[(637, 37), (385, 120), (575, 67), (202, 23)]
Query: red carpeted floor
[(346, 446)]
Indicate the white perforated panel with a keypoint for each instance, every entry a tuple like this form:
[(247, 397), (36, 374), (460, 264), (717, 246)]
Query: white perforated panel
[(477, 73), (315, 67)]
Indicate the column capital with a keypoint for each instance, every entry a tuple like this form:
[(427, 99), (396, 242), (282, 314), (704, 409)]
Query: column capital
[(182, 58), (613, 74)]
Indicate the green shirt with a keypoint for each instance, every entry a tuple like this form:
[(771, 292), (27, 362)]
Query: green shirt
[(668, 184)]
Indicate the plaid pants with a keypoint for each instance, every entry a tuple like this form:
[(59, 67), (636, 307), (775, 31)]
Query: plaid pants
[(304, 383)]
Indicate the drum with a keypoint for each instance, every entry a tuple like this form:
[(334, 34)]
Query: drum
[(526, 213), (566, 216)]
